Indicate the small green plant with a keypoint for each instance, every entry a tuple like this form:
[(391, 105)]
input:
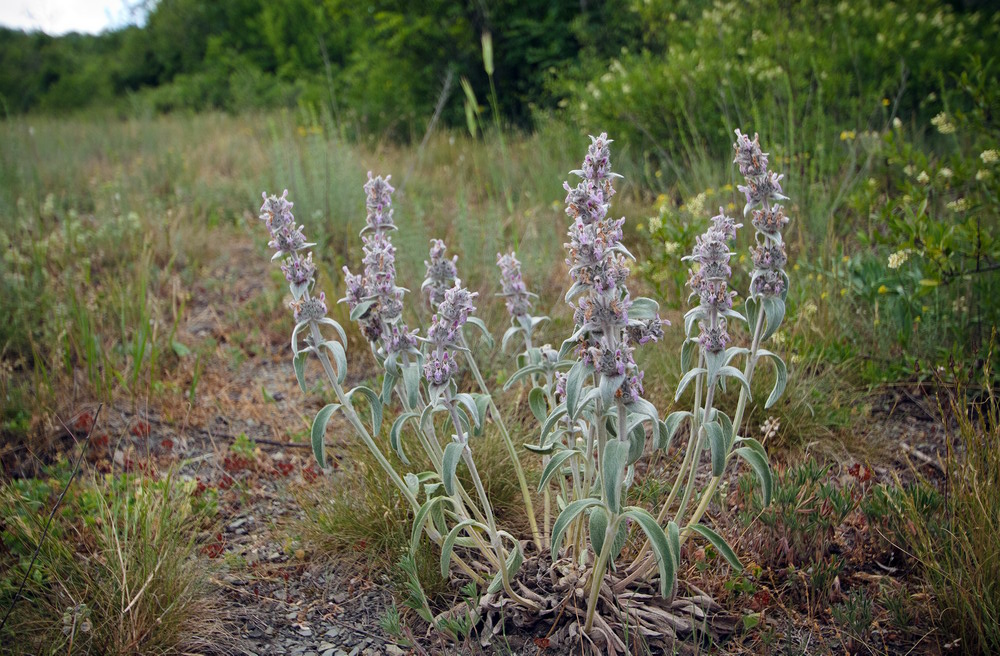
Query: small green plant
[(855, 615), (120, 572), (944, 529)]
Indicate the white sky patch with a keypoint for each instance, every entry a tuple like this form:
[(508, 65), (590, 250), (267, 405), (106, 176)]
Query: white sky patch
[(61, 16)]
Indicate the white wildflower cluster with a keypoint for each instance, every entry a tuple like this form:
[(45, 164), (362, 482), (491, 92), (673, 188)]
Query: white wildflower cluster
[(899, 258), (943, 123)]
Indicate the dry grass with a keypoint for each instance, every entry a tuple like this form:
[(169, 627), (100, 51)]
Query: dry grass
[(120, 572)]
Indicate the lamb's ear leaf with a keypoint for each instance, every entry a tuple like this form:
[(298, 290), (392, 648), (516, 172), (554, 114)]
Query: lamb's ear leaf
[(449, 463), (508, 335), (686, 380), (666, 561), (388, 384), (360, 309), (566, 347), (466, 400), (733, 372), (327, 321), (756, 457), (720, 544), (673, 423), (514, 560), (613, 471), (395, 440), (449, 543), (478, 323), (554, 464), (374, 403), (550, 422), (752, 310), (608, 386), (421, 518), (339, 359), (411, 384), (574, 385), (521, 373), (482, 402), (598, 529), (299, 364), (674, 535), (774, 313), (318, 432), (688, 350), (781, 377), (566, 517), (643, 308), (718, 441), (537, 403)]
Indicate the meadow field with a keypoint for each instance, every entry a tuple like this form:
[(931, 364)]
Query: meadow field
[(160, 490)]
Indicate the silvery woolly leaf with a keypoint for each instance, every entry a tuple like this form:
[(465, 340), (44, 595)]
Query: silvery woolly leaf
[(507, 336), (720, 545), (374, 404), (613, 471), (643, 308), (449, 463), (718, 442), (565, 518), (327, 321), (608, 386), (666, 555), (774, 311), (686, 380), (299, 364), (395, 435), (756, 457), (538, 404), (733, 372), (780, 379), (478, 323), (688, 350), (555, 464), (318, 432), (411, 384), (672, 424)]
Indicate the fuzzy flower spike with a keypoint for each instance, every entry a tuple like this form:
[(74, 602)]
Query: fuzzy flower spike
[(445, 337), (375, 301), (609, 323), (709, 283), (287, 239), (763, 193), (441, 273)]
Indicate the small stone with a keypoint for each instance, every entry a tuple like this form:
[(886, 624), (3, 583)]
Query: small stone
[(394, 650), (305, 631)]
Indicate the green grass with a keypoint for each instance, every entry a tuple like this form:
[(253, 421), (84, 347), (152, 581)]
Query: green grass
[(119, 573)]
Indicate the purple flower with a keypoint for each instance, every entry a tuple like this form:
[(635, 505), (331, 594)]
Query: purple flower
[(309, 309), (445, 333), (299, 270), (749, 158), (763, 191), (378, 202), (713, 339), (441, 272), (769, 221), (598, 266), (381, 323), (515, 293)]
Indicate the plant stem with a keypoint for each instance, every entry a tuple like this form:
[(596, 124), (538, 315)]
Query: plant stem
[(515, 460), (597, 574), (737, 420), (495, 538)]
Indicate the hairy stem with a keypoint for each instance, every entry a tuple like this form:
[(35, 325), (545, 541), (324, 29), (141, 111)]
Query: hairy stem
[(516, 461)]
